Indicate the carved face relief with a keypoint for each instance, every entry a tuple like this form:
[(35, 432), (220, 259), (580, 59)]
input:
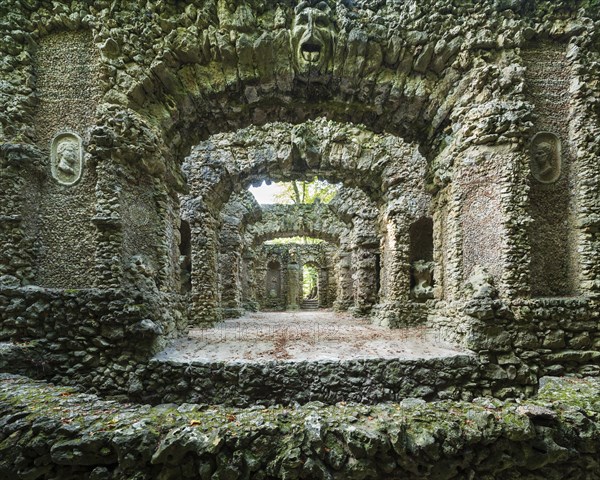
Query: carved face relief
[(66, 158), (313, 37), (545, 157)]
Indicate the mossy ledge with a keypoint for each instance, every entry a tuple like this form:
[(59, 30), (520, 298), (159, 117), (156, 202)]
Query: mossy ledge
[(56, 433)]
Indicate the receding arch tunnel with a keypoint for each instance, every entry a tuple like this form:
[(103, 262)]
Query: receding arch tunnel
[(373, 168)]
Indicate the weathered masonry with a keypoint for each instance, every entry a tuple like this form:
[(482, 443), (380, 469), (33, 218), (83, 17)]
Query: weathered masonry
[(338, 442), (465, 137)]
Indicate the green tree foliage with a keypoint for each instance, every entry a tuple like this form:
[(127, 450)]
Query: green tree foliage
[(303, 192), (310, 277)]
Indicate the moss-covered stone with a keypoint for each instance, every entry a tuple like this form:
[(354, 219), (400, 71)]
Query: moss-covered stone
[(555, 431)]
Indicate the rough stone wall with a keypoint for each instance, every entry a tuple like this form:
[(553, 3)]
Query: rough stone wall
[(56, 433), (525, 339), (17, 258), (454, 82), (496, 328), (65, 65), (87, 337), (584, 127), (367, 380), (553, 231), (483, 234)]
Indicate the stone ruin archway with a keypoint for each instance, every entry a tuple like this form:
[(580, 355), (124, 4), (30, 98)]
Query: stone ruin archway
[(322, 293), (245, 227), (467, 86), (414, 82), (382, 166), (290, 259)]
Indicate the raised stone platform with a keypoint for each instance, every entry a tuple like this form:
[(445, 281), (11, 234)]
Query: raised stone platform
[(282, 358), (54, 432), (322, 335)]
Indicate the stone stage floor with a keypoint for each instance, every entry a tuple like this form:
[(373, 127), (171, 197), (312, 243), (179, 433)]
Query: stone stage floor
[(304, 336)]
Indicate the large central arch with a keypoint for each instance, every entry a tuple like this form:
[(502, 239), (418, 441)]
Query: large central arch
[(387, 170), (235, 66), (335, 152)]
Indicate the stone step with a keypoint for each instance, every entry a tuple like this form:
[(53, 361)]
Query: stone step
[(312, 304), (365, 380)]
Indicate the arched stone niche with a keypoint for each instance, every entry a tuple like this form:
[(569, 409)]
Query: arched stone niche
[(273, 287), (185, 256), (421, 259)]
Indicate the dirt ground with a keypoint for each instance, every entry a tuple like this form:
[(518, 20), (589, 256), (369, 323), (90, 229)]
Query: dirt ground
[(303, 335)]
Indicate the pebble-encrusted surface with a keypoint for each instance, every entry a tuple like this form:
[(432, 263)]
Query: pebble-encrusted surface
[(55, 433), (430, 108)]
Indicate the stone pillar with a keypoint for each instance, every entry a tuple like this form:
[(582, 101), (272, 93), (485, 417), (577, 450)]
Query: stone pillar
[(441, 244), (294, 289), (584, 128), (332, 286), (344, 298), (109, 227), (513, 277), (364, 266), (448, 244), (249, 277), (229, 271), (397, 304), (170, 224), (262, 296), (396, 259), (205, 302), (323, 287)]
